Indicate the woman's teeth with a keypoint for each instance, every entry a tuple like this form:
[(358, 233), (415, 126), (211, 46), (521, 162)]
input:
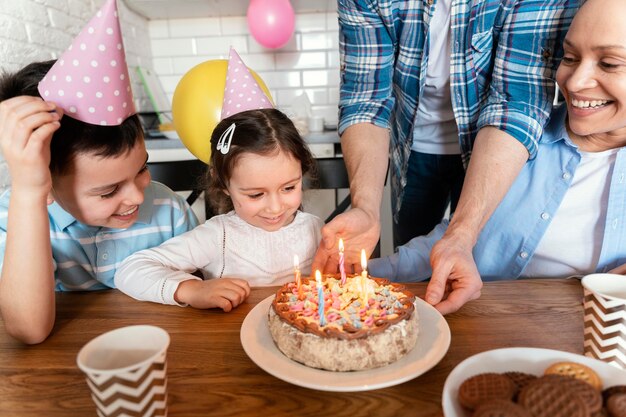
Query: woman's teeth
[(586, 104)]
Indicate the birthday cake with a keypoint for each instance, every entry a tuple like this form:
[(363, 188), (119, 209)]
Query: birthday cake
[(363, 324)]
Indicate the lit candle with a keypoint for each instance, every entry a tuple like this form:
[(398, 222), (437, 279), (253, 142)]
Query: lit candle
[(364, 277), (320, 297), (296, 267), (363, 264), (342, 268)]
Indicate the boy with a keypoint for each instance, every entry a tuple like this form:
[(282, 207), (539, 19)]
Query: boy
[(81, 200)]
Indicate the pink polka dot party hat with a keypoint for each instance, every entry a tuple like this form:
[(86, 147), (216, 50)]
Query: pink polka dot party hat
[(90, 80), (241, 92)]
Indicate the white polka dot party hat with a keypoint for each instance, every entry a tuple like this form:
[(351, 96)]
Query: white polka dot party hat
[(241, 92), (90, 80)]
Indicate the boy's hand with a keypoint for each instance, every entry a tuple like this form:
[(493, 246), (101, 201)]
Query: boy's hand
[(224, 293), (26, 127)]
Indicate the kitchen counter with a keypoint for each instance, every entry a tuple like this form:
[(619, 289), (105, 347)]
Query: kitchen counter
[(323, 145)]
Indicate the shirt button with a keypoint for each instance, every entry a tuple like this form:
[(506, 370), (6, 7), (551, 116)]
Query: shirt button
[(456, 44), (566, 176), (523, 254), (105, 256), (545, 216)]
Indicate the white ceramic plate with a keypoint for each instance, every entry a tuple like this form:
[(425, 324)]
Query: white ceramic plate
[(432, 344), (529, 360)]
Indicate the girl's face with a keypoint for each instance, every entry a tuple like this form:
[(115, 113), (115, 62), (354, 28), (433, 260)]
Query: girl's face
[(105, 192), (266, 190), (592, 75)]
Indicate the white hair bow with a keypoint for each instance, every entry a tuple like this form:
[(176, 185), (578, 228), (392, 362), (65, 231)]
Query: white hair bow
[(223, 144)]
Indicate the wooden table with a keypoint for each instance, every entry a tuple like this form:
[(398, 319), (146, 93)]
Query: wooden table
[(210, 374)]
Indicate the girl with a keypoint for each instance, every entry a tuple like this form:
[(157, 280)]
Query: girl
[(258, 161)]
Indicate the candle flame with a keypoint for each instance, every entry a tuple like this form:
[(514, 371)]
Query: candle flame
[(363, 260), (318, 277), (340, 245), (296, 261)]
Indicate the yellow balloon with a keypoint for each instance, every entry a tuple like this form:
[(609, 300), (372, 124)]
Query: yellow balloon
[(197, 105)]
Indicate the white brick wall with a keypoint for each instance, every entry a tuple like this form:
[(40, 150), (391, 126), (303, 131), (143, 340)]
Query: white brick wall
[(33, 30), (309, 63), (38, 30)]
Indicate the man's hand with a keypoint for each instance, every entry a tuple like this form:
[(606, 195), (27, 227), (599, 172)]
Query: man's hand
[(455, 279), (358, 229)]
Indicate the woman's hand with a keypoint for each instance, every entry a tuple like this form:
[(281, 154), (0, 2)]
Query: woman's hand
[(455, 279)]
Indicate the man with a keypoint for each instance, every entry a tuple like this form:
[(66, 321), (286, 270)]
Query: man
[(433, 82)]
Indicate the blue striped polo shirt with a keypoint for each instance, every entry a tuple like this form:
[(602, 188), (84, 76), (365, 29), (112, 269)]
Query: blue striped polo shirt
[(86, 257)]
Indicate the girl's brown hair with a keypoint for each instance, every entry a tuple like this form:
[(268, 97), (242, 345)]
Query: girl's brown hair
[(261, 132)]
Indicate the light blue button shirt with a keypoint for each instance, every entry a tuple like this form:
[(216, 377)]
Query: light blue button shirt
[(86, 257), (512, 234)]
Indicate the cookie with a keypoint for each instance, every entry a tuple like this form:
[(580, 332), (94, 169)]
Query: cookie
[(482, 387), (520, 379), (615, 389), (616, 405), (591, 396), (576, 370), (500, 408), (601, 413), (544, 397)]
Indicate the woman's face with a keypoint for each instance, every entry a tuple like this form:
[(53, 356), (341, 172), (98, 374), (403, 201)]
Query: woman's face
[(592, 74)]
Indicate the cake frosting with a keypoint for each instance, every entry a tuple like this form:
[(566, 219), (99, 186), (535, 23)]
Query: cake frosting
[(366, 322)]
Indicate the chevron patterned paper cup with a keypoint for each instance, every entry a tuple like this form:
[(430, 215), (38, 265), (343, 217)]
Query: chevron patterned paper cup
[(126, 371), (605, 318)]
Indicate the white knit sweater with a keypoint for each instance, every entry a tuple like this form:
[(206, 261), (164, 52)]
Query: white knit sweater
[(225, 246)]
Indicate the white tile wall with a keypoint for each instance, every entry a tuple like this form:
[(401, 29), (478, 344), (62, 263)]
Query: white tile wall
[(308, 63), (33, 30), (38, 30)]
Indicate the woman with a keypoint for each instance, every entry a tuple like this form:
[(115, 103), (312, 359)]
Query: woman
[(564, 215)]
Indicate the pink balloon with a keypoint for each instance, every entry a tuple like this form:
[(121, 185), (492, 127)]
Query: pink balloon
[(271, 22)]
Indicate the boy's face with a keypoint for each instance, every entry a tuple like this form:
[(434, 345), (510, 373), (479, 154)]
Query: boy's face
[(104, 192)]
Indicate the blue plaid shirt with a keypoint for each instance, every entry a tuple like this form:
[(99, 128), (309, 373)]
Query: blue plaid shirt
[(504, 58)]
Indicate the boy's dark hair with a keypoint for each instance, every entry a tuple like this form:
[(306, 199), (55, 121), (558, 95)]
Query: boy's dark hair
[(73, 137), (262, 132)]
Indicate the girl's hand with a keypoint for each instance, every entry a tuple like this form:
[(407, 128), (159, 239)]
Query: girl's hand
[(26, 127), (224, 293)]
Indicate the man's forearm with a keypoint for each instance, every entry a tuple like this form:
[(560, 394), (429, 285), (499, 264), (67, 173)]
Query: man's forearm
[(366, 153), (496, 160)]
